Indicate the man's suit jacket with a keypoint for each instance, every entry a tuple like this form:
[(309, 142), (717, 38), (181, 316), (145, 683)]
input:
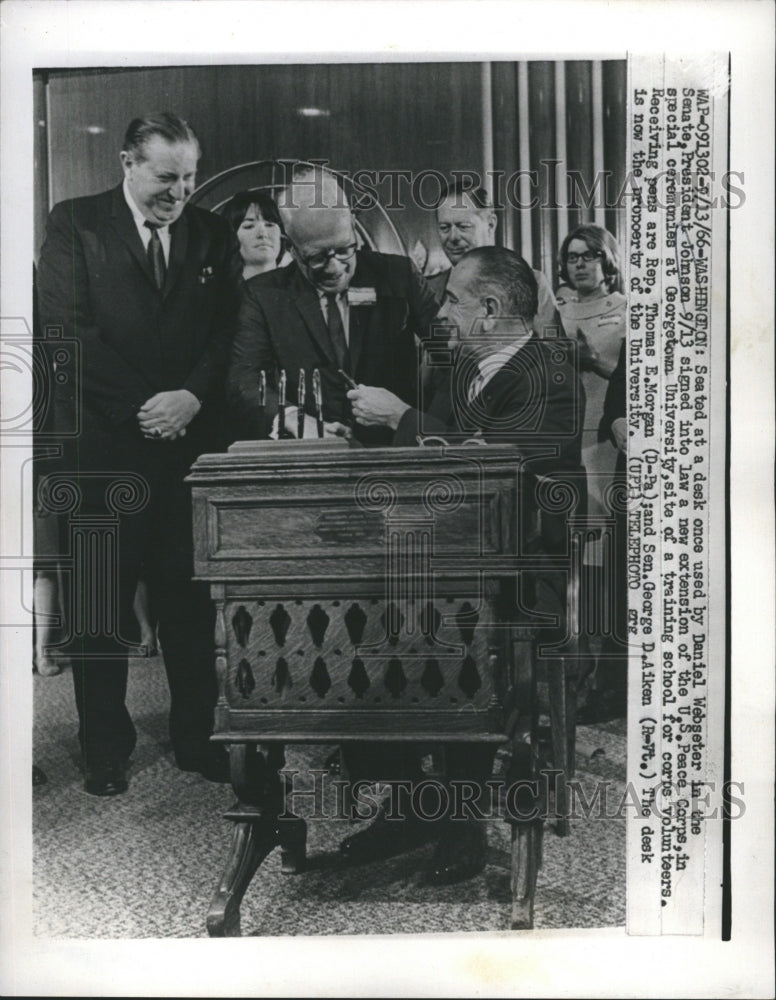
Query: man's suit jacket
[(134, 340), (281, 326), (536, 402)]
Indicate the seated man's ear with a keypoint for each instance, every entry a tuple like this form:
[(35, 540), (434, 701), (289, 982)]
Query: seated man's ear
[(492, 306)]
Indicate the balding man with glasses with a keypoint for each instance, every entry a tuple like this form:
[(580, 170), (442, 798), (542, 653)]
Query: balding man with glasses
[(338, 307)]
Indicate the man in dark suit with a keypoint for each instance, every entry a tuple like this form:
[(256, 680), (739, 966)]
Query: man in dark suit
[(147, 285), (506, 386), (337, 306)]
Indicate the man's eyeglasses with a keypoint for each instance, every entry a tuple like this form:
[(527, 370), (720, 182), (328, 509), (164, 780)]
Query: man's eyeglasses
[(318, 261), (588, 256)]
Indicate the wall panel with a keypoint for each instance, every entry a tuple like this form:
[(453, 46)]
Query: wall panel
[(541, 93), (506, 149), (359, 116), (615, 122), (579, 137), (372, 116)]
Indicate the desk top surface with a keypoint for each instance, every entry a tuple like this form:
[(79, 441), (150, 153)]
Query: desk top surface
[(311, 456)]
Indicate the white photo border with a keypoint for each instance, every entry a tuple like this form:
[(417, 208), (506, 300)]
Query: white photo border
[(562, 963)]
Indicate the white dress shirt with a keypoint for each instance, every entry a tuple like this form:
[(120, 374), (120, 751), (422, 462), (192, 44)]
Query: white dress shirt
[(493, 363), (143, 231), (342, 305)]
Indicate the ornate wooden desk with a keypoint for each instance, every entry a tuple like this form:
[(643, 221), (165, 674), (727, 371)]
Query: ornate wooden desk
[(357, 597)]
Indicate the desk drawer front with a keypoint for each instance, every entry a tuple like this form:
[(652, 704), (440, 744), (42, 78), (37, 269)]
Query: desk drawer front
[(304, 530), (363, 653)]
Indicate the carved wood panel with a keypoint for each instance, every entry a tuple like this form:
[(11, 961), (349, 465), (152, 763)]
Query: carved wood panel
[(360, 652)]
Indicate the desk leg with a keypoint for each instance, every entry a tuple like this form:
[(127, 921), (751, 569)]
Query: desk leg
[(526, 861), (251, 843), (258, 830), (527, 822), (561, 720)]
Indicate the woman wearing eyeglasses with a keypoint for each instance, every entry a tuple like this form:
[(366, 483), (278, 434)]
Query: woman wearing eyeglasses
[(592, 310), (589, 300)]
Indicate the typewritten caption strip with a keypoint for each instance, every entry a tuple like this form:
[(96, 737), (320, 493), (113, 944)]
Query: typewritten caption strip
[(676, 559)]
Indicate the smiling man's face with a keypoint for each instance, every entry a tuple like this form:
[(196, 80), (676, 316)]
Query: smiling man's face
[(161, 178), (463, 226)]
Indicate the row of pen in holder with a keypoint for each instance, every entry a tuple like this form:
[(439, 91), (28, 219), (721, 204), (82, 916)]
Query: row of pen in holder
[(282, 430)]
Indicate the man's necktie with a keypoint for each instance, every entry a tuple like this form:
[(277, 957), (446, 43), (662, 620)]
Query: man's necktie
[(156, 255), (337, 333)]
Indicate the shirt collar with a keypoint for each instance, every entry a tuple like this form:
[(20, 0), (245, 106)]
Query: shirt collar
[(137, 215), (339, 296), (494, 362)]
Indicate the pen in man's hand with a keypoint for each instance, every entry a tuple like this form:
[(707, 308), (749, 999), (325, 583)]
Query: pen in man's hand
[(301, 396), (351, 384)]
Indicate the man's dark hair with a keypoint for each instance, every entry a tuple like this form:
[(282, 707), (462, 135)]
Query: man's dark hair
[(168, 126), (504, 273), (478, 196)]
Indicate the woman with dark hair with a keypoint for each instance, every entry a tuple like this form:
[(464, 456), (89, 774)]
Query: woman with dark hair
[(255, 218)]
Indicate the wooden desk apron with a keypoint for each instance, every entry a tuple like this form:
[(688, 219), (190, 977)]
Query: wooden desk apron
[(357, 591)]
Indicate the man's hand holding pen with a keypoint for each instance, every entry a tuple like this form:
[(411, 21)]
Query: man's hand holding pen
[(376, 407)]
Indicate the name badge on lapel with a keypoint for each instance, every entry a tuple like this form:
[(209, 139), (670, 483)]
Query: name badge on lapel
[(205, 275), (362, 296)]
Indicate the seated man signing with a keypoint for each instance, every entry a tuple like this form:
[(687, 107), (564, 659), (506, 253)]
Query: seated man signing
[(508, 386), (506, 383)]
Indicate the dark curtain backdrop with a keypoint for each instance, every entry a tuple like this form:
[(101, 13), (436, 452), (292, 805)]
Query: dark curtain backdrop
[(413, 117)]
